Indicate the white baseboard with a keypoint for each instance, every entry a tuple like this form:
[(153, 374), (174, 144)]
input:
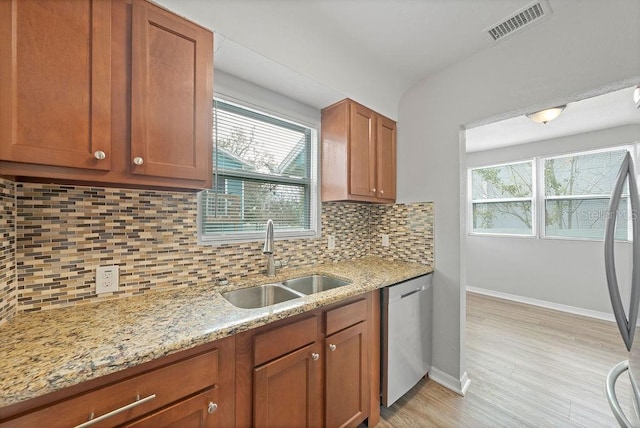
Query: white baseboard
[(459, 386), (543, 303)]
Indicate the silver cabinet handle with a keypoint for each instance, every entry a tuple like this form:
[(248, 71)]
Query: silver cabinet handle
[(315, 356), (136, 403), (212, 407), (381, 192), (332, 347), (373, 190), (100, 155), (138, 160)]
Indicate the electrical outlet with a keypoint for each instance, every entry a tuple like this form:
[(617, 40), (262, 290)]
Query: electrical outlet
[(385, 240), (107, 279), (331, 242)]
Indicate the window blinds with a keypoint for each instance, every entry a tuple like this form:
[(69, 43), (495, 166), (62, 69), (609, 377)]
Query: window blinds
[(262, 170)]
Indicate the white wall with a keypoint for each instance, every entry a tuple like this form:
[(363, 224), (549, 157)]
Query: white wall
[(322, 55), (599, 48), (248, 94), (565, 272), (617, 136)]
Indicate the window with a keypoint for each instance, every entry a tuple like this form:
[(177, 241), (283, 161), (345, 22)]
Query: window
[(264, 168), (502, 199), (576, 195), (569, 194)]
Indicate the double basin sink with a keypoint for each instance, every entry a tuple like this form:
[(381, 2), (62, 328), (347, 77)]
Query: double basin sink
[(270, 294)]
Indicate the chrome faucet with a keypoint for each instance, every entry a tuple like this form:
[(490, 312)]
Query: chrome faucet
[(268, 249)]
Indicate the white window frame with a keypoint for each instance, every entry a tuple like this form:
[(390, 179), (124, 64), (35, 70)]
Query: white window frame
[(539, 198), (542, 198), (314, 186), (471, 201)]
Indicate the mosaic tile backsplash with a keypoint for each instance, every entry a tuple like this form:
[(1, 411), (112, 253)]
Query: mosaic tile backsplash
[(65, 232), (7, 249), (410, 230)]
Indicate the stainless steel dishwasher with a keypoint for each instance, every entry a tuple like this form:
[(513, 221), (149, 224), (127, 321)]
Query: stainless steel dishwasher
[(406, 336)]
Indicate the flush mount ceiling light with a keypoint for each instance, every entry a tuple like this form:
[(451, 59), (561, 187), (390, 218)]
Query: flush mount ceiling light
[(544, 116), (636, 96)]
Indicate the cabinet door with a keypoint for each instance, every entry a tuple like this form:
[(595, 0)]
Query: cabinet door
[(386, 158), (288, 390), (55, 82), (346, 377), (152, 390), (171, 95), (361, 151), (197, 412)]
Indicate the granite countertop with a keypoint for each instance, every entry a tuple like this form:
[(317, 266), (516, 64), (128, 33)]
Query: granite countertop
[(46, 351)]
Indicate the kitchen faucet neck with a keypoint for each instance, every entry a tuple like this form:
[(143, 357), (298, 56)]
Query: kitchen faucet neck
[(268, 249)]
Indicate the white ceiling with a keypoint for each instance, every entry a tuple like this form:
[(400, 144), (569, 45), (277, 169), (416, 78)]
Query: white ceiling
[(604, 111), (319, 51)]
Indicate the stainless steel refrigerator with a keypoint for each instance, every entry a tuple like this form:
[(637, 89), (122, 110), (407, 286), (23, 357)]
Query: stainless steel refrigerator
[(627, 319)]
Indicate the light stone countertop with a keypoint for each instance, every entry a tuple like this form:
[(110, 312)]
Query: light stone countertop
[(46, 351)]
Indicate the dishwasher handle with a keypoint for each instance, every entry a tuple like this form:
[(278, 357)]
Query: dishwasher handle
[(397, 292), (410, 293)]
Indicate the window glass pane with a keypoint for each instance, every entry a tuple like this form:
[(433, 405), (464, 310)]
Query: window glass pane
[(589, 174), (245, 206), (503, 217), (584, 218), (262, 170), (248, 141), (506, 181)]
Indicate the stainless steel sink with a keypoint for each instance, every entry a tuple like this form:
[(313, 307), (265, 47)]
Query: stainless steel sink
[(272, 294), (260, 296), (314, 283)]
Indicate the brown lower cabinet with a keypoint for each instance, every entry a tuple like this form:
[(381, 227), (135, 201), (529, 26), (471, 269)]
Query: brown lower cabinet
[(346, 377), (196, 412), (287, 391), (193, 388), (319, 369)]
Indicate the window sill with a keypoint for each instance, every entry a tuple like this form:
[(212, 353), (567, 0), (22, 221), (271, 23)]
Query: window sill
[(545, 238), (500, 235)]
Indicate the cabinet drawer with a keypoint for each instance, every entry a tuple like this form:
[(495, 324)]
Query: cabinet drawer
[(168, 384), (197, 411), (345, 316), (282, 340)]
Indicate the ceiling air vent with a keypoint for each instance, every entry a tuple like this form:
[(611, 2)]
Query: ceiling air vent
[(533, 13)]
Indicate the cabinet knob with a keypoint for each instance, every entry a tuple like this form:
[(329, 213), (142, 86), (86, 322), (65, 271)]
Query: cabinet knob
[(212, 407), (138, 160), (100, 155), (315, 356), (381, 192), (332, 347), (373, 190)]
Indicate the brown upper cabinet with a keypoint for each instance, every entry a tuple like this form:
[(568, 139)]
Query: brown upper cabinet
[(105, 91), (358, 154), (55, 83), (172, 59)]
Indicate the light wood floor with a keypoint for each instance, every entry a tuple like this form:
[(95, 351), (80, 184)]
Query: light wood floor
[(528, 366)]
